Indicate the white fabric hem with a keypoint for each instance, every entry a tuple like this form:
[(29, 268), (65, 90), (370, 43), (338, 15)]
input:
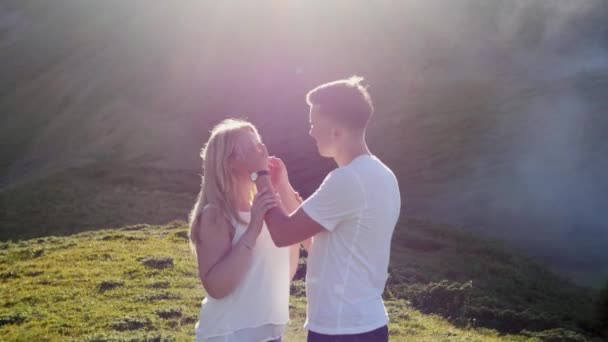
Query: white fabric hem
[(224, 333)]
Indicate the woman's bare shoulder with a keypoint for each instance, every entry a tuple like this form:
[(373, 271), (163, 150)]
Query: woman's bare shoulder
[(213, 219)]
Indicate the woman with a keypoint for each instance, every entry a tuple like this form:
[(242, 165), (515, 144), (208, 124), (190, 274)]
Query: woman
[(245, 275)]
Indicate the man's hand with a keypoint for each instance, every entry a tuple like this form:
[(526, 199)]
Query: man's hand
[(287, 228), (278, 174)]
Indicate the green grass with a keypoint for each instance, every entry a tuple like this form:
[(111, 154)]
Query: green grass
[(145, 272), (140, 283)]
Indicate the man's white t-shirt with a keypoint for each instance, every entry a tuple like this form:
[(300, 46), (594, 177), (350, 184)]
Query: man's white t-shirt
[(358, 204)]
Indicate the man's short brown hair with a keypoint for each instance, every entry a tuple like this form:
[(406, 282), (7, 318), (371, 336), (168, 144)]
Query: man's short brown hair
[(346, 101)]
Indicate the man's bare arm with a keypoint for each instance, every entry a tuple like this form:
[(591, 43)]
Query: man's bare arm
[(287, 229)]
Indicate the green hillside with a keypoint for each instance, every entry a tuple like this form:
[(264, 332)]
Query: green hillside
[(139, 283), (444, 270)]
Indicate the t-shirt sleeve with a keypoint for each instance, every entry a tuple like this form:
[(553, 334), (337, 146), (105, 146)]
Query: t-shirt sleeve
[(340, 197)]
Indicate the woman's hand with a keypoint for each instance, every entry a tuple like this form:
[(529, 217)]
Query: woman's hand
[(262, 202)]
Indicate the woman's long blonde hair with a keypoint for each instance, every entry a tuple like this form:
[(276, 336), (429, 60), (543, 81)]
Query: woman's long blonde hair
[(219, 185)]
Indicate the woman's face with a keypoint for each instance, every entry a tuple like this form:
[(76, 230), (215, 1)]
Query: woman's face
[(246, 146)]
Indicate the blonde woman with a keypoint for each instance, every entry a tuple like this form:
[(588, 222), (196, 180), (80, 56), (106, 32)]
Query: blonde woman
[(245, 275)]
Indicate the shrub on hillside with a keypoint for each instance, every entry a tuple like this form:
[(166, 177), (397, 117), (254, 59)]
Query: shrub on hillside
[(13, 318), (9, 275), (132, 323), (601, 311), (132, 337), (301, 270), (158, 262), (136, 227), (30, 253), (181, 235), (510, 321), (150, 297), (162, 284), (173, 312), (443, 298), (109, 285), (297, 288), (556, 335)]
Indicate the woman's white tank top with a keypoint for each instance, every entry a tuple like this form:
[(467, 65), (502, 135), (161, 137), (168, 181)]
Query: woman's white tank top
[(258, 309)]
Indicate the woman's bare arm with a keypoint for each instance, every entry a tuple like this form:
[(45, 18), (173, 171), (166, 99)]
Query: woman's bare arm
[(221, 266)]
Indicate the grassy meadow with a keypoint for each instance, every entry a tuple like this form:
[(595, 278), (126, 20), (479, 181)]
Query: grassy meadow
[(139, 283)]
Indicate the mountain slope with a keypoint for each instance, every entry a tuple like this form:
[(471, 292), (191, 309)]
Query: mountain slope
[(489, 113)]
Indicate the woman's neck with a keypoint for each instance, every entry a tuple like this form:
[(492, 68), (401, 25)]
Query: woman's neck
[(243, 195)]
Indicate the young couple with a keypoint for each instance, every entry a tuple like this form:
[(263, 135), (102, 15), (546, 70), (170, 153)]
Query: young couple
[(248, 223)]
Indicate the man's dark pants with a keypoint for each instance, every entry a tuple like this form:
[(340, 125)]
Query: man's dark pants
[(377, 335)]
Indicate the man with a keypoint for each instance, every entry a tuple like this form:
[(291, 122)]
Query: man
[(351, 218)]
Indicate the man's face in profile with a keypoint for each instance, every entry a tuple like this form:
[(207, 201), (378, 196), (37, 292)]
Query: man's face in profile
[(321, 132)]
